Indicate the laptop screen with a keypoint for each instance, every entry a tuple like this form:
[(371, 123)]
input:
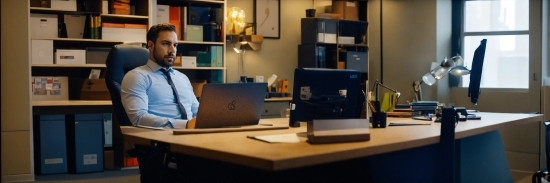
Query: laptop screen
[(230, 104)]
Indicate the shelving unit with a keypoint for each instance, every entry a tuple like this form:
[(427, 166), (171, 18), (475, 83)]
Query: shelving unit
[(145, 12), (323, 45)]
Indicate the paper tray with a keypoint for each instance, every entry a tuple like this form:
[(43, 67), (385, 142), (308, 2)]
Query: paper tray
[(228, 129)]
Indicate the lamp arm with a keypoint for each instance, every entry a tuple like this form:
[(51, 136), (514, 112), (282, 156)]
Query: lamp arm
[(377, 83)]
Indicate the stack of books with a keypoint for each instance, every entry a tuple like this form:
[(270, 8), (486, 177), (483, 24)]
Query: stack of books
[(121, 7), (423, 108)]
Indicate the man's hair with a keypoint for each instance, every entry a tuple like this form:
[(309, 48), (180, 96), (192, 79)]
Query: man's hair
[(154, 31)]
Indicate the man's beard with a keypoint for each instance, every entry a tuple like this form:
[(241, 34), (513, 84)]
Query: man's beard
[(159, 59)]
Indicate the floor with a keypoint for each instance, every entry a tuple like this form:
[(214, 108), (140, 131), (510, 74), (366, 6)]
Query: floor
[(119, 176)]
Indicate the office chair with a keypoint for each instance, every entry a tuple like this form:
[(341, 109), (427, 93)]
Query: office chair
[(543, 174), (121, 59)]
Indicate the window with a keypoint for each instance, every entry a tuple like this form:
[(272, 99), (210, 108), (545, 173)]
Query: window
[(505, 25)]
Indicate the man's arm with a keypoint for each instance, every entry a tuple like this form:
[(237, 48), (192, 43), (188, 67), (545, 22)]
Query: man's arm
[(135, 101)]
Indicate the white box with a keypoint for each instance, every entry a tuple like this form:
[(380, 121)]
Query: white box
[(163, 14), (188, 61), (41, 51), (43, 25), (346, 40), (50, 88), (123, 34), (67, 5), (70, 56)]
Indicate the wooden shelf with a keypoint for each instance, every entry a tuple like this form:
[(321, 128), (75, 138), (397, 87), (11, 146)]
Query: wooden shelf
[(192, 1), (125, 16), (199, 42), (79, 40), (70, 102), (71, 65), (354, 45), (199, 68), (56, 11)]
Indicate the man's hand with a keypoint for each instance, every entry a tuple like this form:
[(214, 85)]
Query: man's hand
[(191, 123)]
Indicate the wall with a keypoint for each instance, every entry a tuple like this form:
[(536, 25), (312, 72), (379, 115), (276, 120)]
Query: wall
[(278, 56), (414, 34), (16, 105)]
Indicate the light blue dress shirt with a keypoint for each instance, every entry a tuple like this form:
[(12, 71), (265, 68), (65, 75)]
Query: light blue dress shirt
[(148, 99)]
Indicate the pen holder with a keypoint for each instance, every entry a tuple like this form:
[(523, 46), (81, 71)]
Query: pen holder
[(379, 119)]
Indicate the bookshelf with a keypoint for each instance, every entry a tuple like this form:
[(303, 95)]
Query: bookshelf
[(18, 69)]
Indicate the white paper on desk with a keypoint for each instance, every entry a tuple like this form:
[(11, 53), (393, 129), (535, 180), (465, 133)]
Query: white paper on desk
[(279, 138)]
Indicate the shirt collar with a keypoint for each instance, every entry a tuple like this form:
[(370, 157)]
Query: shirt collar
[(156, 67)]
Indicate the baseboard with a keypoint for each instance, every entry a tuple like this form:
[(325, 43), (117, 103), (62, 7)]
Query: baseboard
[(18, 178)]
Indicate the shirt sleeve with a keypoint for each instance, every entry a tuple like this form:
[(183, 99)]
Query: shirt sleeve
[(135, 101)]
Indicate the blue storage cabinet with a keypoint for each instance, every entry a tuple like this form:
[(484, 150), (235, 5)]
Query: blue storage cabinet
[(85, 141), (50, 144)]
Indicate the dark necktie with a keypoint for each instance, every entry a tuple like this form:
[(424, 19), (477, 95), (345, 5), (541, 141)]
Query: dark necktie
[(175, 92)]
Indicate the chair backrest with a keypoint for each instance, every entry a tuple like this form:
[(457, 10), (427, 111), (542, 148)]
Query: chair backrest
[(121, 59)]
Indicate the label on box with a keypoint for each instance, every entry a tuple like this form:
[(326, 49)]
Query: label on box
[(90, 159), (53, 161), (350, 4)]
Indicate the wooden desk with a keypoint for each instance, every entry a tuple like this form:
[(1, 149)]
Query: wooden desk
[(237, 149)]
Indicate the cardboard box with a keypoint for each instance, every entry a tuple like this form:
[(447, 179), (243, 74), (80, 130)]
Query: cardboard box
[(50, 88), (67, 5), (188, 61), (42, 51), (348, 9), (43, 25), (94, 89), (70, 56)]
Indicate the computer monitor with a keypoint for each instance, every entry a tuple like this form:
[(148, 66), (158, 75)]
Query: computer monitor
[(475, 73), (320, 93)]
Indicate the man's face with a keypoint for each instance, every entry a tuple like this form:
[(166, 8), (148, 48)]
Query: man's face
[(164, 49)]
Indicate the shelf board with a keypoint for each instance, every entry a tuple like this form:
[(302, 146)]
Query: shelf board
[(125, 16), (71, 65), (78, 40), (200, 42), (193, 1), (49, 10), (70, 102), (355, 45), (199, 68)]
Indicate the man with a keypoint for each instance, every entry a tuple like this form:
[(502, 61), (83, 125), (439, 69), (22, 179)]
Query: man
[(149, 100), (146, 93)]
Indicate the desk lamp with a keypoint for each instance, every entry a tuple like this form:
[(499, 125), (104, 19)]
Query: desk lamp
[(454, 66)]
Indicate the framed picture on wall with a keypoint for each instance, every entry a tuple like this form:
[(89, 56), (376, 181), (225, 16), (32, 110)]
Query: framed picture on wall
[(267, 18)]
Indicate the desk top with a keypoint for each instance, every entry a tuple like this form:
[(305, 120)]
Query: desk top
[(234, 147), (42, 103)]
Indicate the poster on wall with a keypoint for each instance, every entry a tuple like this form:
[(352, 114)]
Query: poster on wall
[(267, 18)]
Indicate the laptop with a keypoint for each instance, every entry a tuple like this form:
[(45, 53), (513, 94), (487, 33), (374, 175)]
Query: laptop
[(226, 107)]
